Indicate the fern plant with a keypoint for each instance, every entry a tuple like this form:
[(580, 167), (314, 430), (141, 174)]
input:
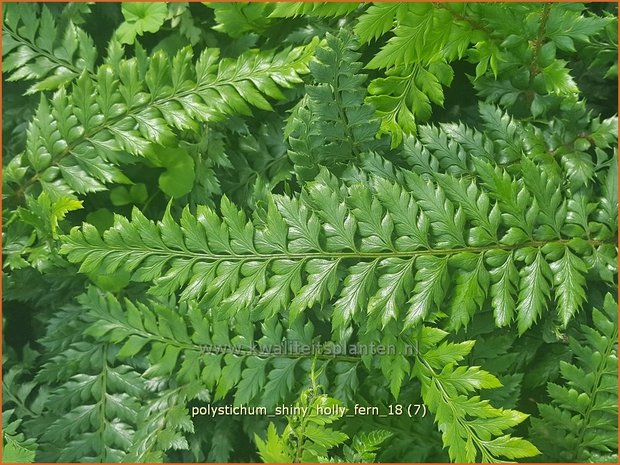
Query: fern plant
[(332, 125), (309, 232), (582, 409), (34, 48), (306, 438)]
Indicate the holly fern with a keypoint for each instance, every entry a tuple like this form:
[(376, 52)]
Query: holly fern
[(196, 194)]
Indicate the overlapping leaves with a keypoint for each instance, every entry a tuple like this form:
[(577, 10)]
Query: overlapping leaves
[(425, 39), (94, 405), (512, 223), (195, 351), (189, 347)]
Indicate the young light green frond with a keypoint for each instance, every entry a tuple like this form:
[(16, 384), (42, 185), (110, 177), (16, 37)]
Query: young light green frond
[(365, 446), (377, 20), (312, 9), (308, 438), (274, 448), (404, 97), (472, 429), (15, 447), (140, 17), (236, 18), (420, 36)]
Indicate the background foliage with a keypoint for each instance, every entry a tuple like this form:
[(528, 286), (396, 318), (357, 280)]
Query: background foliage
[(436, 177)]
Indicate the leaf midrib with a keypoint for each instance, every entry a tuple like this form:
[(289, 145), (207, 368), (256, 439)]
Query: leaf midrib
[(178, 253)]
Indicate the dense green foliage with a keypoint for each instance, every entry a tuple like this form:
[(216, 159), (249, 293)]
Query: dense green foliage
[(225, 205)]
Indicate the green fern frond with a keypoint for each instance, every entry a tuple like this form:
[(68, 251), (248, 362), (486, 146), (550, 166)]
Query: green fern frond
[(455, 148), (462, 151), (404, 97), (308, 438), (332, 125), (608, 211), (140, 17), (395, 245), (472, 429), (188, 347), (76, 139), (378, 19), (583, 410), (365, 446), (15, 447), (93, 407), (237, 18), (164, 422), (420, 36), (312, 9), (100, 406), (425, 39), (35, 48), (405, 210)]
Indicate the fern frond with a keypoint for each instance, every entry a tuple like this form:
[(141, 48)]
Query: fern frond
[(504, 144), (393, 245), (404, 97), (101, 407), (332, 125), (425, 39), (472, 429), (607, 214), (164, 423), (377, 20), (93, 407), (454, 148), (75, 140), (236, 18), (313, 9), (365, 446), (15, 447), (308, 438), (209, 226), (583, 410), (188, 347), (419, 37), (35, 48)]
